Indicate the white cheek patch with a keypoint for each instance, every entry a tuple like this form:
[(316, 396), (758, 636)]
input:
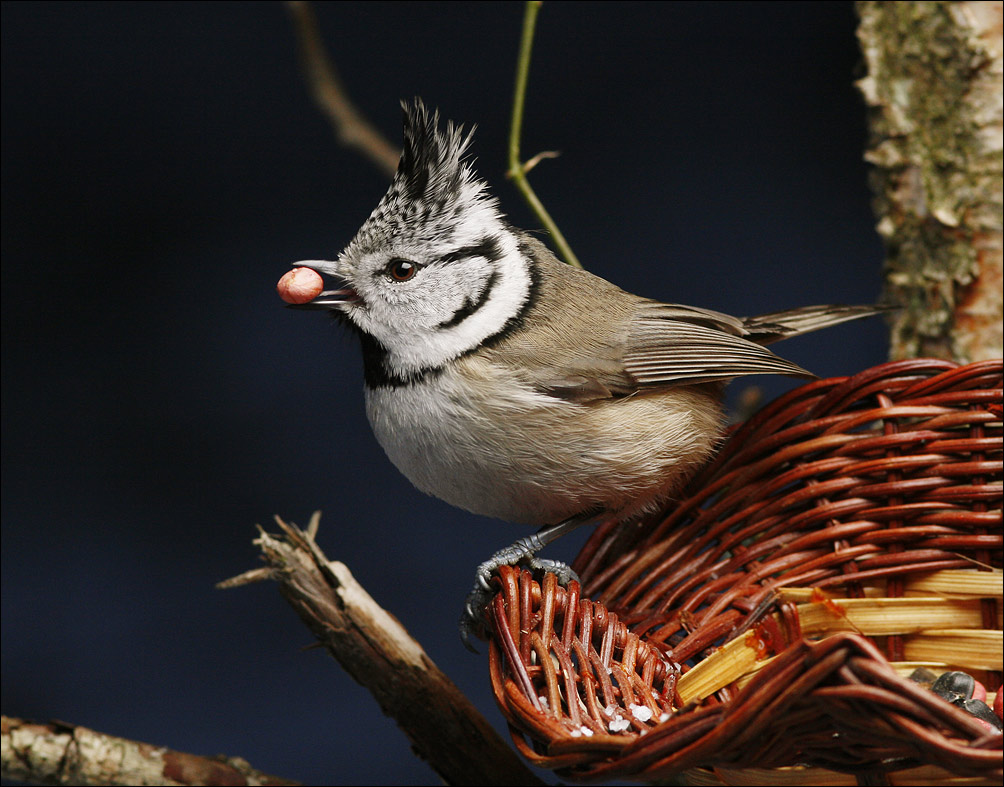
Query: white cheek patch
[(474, 319)]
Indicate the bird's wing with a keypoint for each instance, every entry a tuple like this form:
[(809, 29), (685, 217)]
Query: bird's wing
[(668, 344), (661, 345)]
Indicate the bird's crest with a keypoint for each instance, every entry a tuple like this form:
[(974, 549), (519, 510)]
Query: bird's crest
[(435, 188)]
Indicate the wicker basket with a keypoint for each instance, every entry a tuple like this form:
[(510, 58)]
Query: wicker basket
[(760, 631)]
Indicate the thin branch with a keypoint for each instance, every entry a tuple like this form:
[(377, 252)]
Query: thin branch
[(351, 128), (533, 162), (58, 753), (375, 649), (517, 170)]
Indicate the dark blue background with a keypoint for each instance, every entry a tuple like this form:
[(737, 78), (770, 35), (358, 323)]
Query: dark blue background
[(163, 164)]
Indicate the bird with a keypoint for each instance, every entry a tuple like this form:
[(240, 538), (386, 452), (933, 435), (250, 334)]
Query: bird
[(513, 385)]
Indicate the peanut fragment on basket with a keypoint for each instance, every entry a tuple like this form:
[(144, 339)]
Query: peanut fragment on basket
[(963, 690)]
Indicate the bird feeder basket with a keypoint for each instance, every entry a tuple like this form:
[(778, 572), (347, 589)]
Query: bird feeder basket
[(762, 629)]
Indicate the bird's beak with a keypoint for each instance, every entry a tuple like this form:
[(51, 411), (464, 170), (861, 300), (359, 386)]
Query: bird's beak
[(326, 298)]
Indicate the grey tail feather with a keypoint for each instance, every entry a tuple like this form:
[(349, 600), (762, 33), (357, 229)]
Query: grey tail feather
[(767, 328)]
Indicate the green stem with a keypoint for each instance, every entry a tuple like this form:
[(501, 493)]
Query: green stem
[(517, 170)]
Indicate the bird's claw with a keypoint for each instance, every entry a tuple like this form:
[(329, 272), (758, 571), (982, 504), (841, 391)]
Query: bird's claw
[(474, 620), (543, 565)]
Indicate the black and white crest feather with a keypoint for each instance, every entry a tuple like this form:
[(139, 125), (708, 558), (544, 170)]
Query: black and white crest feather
[(431, 167), (435, 188)]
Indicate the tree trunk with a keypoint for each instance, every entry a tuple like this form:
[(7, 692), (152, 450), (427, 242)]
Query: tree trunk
[(934, 90)]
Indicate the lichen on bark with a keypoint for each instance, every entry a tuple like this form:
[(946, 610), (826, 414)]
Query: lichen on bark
[(933, 87)]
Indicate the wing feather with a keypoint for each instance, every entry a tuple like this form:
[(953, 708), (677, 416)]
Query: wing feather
[(669, 345)]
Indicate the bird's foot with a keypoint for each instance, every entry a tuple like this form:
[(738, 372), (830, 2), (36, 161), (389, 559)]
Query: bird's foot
[(474, 619)]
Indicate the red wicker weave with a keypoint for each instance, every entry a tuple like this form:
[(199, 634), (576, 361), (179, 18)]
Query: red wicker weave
[(879, 485)]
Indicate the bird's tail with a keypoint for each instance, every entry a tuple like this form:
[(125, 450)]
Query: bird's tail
[(767, 328)]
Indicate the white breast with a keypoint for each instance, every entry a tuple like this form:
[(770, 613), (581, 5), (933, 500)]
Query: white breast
[(480, 441)]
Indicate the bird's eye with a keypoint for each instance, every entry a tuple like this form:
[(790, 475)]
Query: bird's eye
[(401, 270)]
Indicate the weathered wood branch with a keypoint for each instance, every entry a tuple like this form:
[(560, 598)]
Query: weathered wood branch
[(445, 728), (59, 753)]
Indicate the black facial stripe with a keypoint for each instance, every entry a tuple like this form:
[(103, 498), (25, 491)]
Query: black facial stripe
[(488, 247), (470, 306), (515, 322)]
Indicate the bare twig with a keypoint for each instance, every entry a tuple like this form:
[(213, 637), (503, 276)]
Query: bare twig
[(530, 163), (517, 170), (350, 126), (58, 753), (374, 648)]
